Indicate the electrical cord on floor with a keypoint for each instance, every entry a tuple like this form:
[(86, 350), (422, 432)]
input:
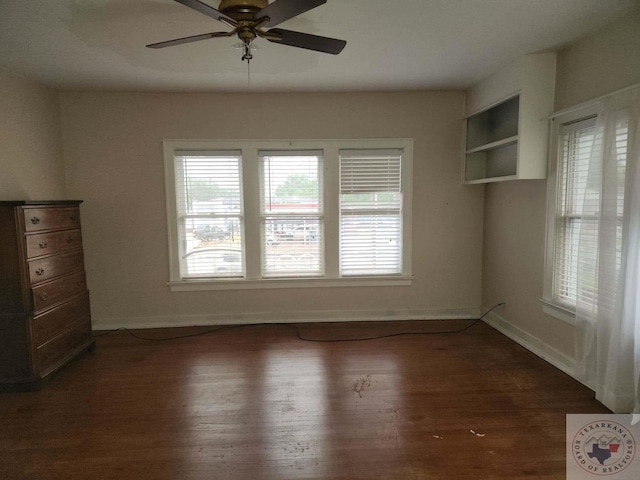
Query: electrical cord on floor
[(297, 331), (437, 332)]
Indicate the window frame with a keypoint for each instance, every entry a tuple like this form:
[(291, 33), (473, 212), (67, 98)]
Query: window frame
[(551, 306), (212, 216), (251, 184), (318, 213), (347, 168)]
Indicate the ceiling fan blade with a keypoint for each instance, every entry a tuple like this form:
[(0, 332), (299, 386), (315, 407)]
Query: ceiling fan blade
[(305, 40), (282, 10), (193, 38), (207, 10)]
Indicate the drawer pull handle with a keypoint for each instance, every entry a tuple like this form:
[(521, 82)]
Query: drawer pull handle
[(35, 220), (69, 240), (42, 244), (40, 272), (44, 296), (73, 217)]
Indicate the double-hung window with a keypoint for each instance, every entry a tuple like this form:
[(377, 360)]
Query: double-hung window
[(575, 208), (575, 203), (370, 212), (296, 213), (208, 201), (291, 213)]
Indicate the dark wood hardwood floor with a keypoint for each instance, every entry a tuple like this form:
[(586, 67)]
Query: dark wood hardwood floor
[(258, 403)]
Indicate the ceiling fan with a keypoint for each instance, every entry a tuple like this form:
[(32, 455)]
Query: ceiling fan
[(247, 18)]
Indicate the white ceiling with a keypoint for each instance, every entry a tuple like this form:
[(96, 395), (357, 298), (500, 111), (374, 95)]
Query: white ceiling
[(391, 44)]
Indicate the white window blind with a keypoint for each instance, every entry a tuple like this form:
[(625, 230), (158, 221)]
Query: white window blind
[(579, 203), (209, 213), (578, 142), (370, 212), (291, 206)]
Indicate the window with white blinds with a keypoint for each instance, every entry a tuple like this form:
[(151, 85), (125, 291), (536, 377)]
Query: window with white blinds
[(246, 214), (209, 213), (371, 212), (575, 210), (291, 213), (578, 205)]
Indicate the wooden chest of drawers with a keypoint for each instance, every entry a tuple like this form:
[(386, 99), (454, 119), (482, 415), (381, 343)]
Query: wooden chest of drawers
[(45, 316)]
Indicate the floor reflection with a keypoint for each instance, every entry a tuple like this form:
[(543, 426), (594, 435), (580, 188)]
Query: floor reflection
[(295, 432), (224, 399), (367, 412)]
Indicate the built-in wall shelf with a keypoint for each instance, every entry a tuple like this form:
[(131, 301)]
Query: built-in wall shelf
[(506, 126), (494, 145)]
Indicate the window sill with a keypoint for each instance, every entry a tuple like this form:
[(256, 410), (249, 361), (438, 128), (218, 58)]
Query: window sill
[(271, 283), (559, 311)]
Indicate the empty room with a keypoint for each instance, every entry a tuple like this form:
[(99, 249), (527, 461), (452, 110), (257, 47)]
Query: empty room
[(319, 239)]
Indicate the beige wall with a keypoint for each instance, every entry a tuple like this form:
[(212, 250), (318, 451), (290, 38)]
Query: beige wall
[(114, 161), (602, 63), (31, 166), (514, 215)]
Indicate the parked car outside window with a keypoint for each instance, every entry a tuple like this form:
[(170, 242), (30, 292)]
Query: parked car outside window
[(207, 233), (305, 233)]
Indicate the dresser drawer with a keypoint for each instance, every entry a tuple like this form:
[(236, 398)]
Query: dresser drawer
[(54, 266), (55, 321), (60, 348), (52, 218), (57, 291), (54, 242)]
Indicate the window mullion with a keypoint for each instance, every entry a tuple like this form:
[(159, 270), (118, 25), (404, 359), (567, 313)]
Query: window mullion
[(252, 230), (331, 187)]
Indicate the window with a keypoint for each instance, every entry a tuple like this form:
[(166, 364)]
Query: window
[(575, 207), (370, 212), (291, 213), (575, 203), (209, 213), (288, 214)]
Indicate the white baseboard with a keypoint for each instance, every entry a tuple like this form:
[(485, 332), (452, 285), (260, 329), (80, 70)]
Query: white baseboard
[(283, 317), (558, 359)]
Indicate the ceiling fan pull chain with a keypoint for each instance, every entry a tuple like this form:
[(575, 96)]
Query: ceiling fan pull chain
[(247, 55)]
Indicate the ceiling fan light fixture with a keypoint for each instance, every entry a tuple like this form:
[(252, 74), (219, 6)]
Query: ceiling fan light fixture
[(240, 45)]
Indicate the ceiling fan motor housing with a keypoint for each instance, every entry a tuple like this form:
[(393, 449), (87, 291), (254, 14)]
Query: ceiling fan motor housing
[(242, 9)]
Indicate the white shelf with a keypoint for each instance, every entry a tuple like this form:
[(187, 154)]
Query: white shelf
[(494, 145), (506, 131), (491, 180)]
